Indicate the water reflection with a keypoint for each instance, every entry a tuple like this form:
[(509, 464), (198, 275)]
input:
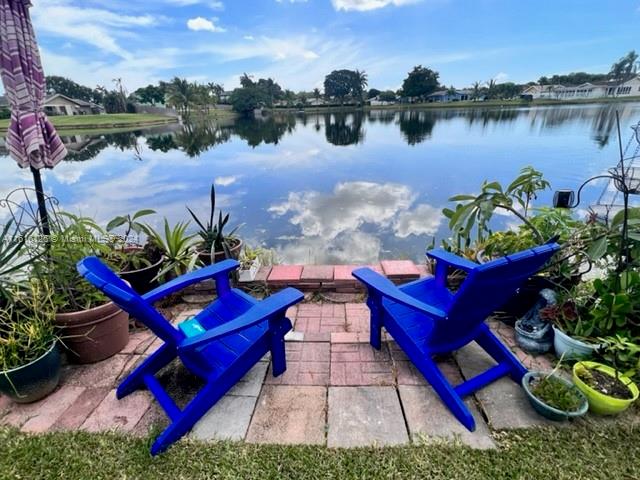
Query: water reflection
[(344, 129), (350, 223), (292, 182), (416, 126)]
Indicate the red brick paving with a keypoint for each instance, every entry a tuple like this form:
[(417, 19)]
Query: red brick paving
[(80, 410), (101, 374), (317, 273), (41, 415), (335, 351), (359, 364), (285, 273), (307, 364), (137, 340), (400, 269), (114, 414)]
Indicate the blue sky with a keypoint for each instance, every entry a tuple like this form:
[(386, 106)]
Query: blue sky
[(298, 42)]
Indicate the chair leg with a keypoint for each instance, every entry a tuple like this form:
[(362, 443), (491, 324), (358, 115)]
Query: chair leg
[(278, 354), (500, 353), (375, 326), (443, 388), (194, 411), (155, 362)]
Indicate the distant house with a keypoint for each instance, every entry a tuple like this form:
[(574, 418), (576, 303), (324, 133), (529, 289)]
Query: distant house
[(58, 104), (375, 101), (540, 91), (225, 97), (448, 96), (4, 103), (316, 102), (628, 88)]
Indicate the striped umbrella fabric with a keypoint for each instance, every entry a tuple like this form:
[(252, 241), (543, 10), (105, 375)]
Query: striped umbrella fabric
[(31, 139)]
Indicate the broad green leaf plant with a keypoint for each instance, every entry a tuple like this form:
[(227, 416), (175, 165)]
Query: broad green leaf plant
[(473, 213)]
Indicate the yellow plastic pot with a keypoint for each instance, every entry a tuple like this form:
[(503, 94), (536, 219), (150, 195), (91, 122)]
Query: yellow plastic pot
[(598, 402)]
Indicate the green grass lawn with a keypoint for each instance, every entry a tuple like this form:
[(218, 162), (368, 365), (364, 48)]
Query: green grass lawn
[(101, 121), (597, 451)]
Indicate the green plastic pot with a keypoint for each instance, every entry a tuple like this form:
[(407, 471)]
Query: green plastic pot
[(599, 402), (546, 410), (33, 381)]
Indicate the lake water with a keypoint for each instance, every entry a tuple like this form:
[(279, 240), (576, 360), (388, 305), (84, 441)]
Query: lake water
[(333, 188)]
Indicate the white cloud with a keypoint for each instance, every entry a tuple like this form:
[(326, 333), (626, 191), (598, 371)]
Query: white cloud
[(213, 4), (332, 226), (366, 5), (93, 26), (248, 37), (349, 206), (501, 77), (423, 220), (140, 69), (200, 23), (226, 181), (265, 47)]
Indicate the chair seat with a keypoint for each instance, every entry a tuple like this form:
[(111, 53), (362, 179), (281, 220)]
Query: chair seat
[(220, 354)]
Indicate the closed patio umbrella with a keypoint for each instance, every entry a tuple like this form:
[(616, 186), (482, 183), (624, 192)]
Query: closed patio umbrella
[(31, 139)]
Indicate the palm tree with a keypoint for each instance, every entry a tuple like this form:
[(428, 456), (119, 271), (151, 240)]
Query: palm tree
[(216, 90), (246, 80), (360, 84), (180, 94), (316, 93), (476, 90), (491, 86)]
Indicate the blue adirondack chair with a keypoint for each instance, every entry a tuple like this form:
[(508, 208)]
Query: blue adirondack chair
[(425, 318), (219, 345)]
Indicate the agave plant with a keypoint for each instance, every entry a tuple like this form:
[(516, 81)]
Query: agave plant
[(211, 233), (177, 247)]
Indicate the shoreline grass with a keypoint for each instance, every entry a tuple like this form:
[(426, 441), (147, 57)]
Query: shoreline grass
[(464, 104), (596, 451), (105, 121)]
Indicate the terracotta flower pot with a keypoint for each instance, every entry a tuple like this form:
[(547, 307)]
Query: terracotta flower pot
[(95, 334), (205, 257)]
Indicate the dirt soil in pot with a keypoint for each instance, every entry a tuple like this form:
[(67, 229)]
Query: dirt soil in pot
[(606, 384)]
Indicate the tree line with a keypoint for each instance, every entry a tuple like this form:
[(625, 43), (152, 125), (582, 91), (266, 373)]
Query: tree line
[(342, 86)]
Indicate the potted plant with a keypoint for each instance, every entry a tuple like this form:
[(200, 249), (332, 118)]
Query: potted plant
[(94, 328), (608, 391), (13, 260), (178, 249), (29, 356), (572, 323), (216, 245), (137, 264), (251, 259), (554, 397)]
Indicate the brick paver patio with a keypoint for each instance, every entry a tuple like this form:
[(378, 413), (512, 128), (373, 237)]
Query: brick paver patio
[(337, 390)]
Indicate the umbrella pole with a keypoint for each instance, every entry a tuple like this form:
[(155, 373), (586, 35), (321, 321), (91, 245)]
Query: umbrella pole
[(42, 207)]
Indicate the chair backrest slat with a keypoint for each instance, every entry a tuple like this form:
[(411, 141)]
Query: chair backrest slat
[(489, 286), (103, 278)]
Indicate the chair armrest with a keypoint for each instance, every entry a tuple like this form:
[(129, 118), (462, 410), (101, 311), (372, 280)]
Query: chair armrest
[(451, 259), (272, 305), (216, 270), (382, 285)]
